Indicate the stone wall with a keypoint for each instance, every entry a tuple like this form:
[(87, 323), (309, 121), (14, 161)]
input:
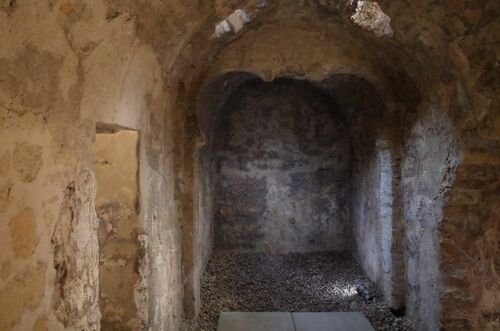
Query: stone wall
[(203, 240), (470, 229), (376, 231), (282, 170), (66, 66), (366, 223), (377, 223), (430, 160)]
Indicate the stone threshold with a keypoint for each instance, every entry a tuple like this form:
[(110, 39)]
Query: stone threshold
[(287, 321)]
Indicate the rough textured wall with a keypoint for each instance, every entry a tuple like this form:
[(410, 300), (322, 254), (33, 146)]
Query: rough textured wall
[(470, 258), (393, 225), (378, 228), (210, 99), (199, 234), (203, 238), (206, 208), (366, 222), (64, 67), (436, 46), (117, 207), (50, 55), (282, 170), (462, 36), (430, 160), (438, 43), (469, 246)]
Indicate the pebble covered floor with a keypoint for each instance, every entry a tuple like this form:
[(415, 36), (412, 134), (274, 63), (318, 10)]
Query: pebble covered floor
[(309, 282)]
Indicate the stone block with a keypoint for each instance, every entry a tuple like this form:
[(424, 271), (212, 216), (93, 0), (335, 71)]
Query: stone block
[(337, 321), (23, 233), (250, 321)]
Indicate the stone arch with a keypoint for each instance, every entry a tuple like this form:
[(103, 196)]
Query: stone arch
[(411, 86), (211, 96)]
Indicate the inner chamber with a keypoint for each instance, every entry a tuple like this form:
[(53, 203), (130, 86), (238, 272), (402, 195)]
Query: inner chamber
[(282, 170), (295, 166)]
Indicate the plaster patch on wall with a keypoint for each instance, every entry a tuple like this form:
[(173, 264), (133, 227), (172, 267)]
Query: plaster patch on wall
[(27, 161), (23, 292), (41, 324), (28, 82), (23, 233)]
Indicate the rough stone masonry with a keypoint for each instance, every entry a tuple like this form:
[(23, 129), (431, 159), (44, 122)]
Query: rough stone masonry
[(68, 67), (282, 170)]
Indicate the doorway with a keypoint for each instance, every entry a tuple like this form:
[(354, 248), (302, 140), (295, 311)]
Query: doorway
[(117, 207)]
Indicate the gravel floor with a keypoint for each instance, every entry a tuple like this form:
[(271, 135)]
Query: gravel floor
[(293, 282)]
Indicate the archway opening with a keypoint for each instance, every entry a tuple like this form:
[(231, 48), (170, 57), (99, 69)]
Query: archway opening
[(288, 168)]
